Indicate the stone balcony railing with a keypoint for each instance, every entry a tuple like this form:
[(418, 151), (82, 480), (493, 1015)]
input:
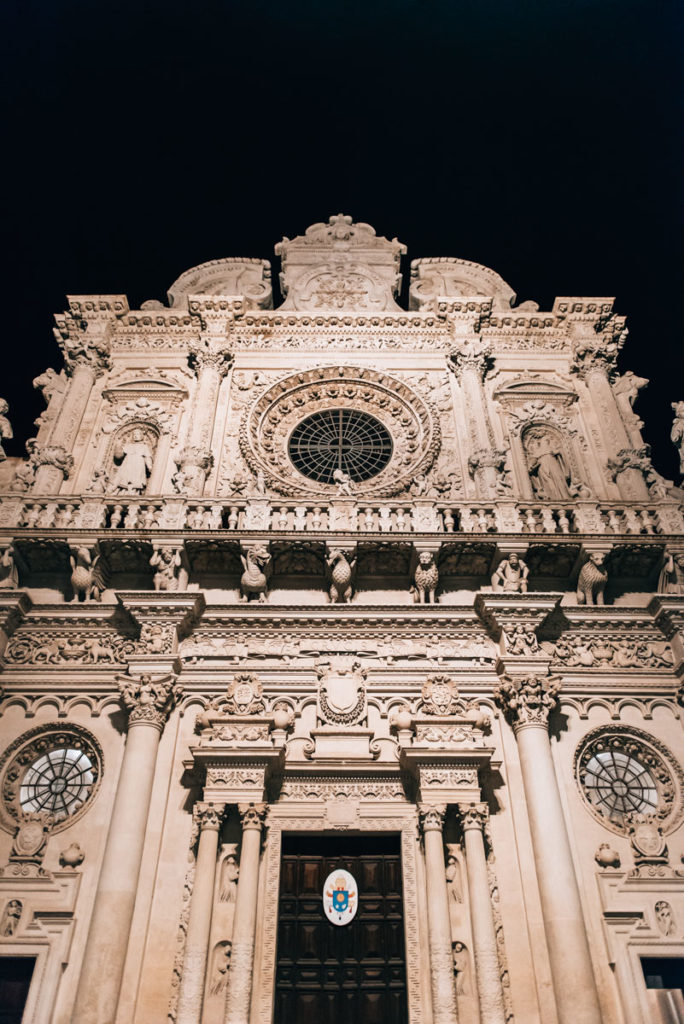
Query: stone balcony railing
[(266, 515)]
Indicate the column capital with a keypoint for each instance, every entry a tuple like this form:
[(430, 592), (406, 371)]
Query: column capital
[(431, 817), (253, 816), (203, 354), (475, 353), (208, 816), (527, 701), (148, 700), (50, 455), (473, 816)]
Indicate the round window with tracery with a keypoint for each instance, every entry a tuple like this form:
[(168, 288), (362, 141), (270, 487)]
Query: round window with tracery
[(49, 770), (622, 771), (345, 440)]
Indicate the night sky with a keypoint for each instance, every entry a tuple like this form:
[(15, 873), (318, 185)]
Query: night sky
[(537, 137)]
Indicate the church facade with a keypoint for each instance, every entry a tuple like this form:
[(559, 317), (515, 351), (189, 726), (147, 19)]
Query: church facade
[(341, 652)]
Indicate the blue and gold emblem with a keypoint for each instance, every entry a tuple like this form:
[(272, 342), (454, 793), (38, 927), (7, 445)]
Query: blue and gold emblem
[(339, 897)]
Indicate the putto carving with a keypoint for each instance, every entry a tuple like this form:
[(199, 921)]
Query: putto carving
[(439, 696), (6, 432), (592, 579), (245, 695), (149, 701), (677, 433), (256, 560), (341, 692), (426, 579), (132, 455), (340, 567), (88, 574), (528, 700), (510, 575)]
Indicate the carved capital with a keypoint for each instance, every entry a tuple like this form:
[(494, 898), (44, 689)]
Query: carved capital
[(527, 701), (203, 355), (50, 455), (431, 817), (253, 816), (473, 816), (631, 458), (149, 701), (208, 815), (475, 355)]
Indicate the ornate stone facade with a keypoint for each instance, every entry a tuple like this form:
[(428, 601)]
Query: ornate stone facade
[(337, 568)]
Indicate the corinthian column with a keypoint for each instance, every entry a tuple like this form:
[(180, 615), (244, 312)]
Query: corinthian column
[(526, 703), (211, 361), (209, 817), (444, 1010), (470, 365), (492, 1011), (148, 702), (244, 923)]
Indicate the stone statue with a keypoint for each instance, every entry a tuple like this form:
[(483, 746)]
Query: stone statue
[(340, 571), (671, 579), (88, 577), (461, 967), (548, 470), (343, 481), (254, 580), (98, 485), (592, 580), (24, 475), (220, 967), (10, 919), (229, 879), (48, 382), (426, 578), (453, 879), (166, 562), (510, 576), (677, 434), (5, 427), (664, 918), (9, 574), (133, 459)]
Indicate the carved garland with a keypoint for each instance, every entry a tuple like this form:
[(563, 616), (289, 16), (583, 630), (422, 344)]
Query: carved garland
[(410, 419), (649, 752), (26, 749)]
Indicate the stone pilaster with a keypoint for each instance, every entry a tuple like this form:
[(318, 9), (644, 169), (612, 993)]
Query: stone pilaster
[(14, 607), (470, 364), (527, 703), (444, 1008), (473, 819), (253, 818), (148, 701), (208, 817)]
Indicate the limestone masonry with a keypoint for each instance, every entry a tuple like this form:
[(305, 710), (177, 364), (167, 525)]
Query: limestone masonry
[(340, 586)]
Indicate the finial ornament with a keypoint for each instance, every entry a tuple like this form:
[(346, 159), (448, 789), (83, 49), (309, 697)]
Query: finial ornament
[(147, 700), (528, 700)]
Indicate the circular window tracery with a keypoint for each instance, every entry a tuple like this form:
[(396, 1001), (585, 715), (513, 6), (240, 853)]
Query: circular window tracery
[(340, 439), (51, 769), (621, 771)]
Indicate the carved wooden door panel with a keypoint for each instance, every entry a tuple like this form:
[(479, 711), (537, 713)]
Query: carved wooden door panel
[(355, 973)]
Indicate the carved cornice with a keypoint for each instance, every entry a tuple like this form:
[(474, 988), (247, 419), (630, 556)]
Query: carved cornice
[(527, 701)]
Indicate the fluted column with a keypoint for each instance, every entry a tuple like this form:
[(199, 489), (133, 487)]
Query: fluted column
[(470, 364), (148, 702), (209, 817), (244, 923), (444, 1009), (485, 954), (527, 702)]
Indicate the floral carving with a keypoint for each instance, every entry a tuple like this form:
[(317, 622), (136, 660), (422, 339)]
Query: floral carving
[(149, 701), (528, 700)]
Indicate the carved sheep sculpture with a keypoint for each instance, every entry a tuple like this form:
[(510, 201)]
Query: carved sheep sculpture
[(592, 580)]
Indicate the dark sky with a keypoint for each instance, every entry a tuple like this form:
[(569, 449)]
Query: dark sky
[(537, 137)]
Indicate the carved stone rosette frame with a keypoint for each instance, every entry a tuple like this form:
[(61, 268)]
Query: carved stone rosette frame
[(410, 419), (401, 818)]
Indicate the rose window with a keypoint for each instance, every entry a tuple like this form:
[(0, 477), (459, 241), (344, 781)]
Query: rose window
[(58, 783), (340, 439), (617, 785)]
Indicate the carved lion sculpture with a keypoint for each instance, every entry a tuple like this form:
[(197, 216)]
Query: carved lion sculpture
[(254, 581), (592, 580), (426, 578)]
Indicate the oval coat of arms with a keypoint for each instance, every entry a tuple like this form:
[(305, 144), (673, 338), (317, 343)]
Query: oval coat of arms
[(340, 897)]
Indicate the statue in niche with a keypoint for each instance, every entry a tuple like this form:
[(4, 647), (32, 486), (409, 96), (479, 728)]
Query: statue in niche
[(220, 967), (6, 431), (10, 919), (664, 918), (453, 878), (230, 872), (677, 434), (548, 469), (461, 967), (671, 579), (133, 460)]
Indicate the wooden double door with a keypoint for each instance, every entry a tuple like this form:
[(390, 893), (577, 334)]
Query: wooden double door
[(349, 974)]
